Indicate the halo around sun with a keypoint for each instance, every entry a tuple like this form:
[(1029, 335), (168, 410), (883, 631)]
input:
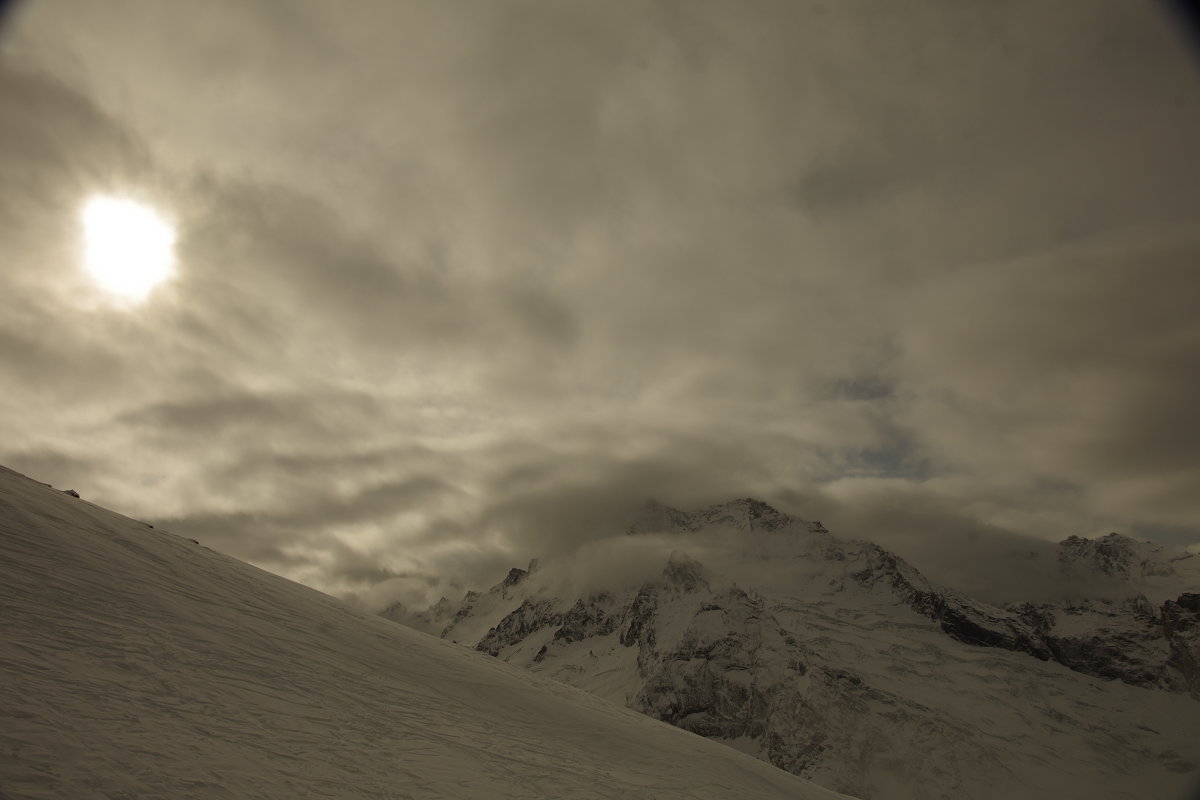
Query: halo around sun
[(129, 248)]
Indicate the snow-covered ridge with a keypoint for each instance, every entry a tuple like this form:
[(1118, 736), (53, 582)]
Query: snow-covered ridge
[(840, 662), (138, 664), (745, 514), (1127, 559)]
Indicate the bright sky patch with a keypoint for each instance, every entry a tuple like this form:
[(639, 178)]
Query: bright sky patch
[(128, 246)]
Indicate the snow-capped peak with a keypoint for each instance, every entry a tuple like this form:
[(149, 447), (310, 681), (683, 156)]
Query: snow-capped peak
[(1114, 555), (745, 514)]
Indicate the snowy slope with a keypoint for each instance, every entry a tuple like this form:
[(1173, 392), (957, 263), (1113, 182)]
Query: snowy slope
[(137, 664), (840, 662)]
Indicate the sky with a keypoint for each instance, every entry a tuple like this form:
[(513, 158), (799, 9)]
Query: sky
[(460, 284)]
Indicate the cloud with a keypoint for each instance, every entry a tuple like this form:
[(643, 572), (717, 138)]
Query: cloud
[(459, 285), (1070, 363)]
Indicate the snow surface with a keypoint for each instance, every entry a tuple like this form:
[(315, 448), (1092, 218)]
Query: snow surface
[(138, 664)]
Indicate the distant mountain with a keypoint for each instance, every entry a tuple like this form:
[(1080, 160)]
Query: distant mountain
[(838, 661), (138, 664)]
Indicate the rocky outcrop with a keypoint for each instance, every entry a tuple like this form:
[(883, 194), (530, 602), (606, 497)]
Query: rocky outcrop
[(514, 576), (960, 618), (1181, 629), (531, 616), (587, 620), (711, 681), (464, 611), (1108, 639), (683, 574), (639, 619)]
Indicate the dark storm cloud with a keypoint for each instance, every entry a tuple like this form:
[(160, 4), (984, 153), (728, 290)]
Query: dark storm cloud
[(1072, 363), (459, 285)]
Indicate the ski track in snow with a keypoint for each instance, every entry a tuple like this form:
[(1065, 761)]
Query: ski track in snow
[(137, 664)]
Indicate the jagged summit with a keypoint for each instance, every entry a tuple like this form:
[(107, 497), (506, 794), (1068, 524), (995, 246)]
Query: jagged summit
[(514, 576), (1114, 555), (745, 513)]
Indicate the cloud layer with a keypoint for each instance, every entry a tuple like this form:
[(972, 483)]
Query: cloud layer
[(461, 284)]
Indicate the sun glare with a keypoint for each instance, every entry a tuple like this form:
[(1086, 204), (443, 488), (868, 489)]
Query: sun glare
[(128, 246)]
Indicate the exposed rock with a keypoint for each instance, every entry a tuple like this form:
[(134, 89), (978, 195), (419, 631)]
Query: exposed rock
[(639, 619), (1112, 640), (464, 611), (1181, 628), (514, 576), (531, 616), (586, 620), (684, 574), (1189, 601), (962, 619)]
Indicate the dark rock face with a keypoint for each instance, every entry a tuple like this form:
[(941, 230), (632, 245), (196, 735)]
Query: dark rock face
[(708, 682), (530, 617), (1181, 628), (464, 611), (514, 577), (1039, 617), (961, 619), (684, 574), (1189, 601), (1128, 641), (1112, 640), (586, 620), (737, 675), (639, 619), (695, 694)]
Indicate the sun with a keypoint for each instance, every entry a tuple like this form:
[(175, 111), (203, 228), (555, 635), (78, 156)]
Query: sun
[(129, 248)]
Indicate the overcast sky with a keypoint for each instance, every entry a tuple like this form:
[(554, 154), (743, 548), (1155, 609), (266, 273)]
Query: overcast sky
[(459, 283)]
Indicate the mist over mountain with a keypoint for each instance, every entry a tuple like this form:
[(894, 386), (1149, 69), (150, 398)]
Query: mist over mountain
[(841, 662)]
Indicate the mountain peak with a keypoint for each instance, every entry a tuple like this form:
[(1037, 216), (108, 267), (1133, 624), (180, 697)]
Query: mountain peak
[(749, 513), (1114, 554), (743, 513)]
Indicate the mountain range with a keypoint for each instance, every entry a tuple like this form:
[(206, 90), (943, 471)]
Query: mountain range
[(838, 661)]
